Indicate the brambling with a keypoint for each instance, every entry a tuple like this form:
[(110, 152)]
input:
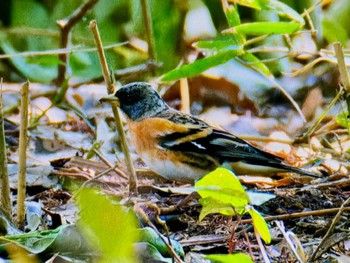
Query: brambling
[(181, 147)]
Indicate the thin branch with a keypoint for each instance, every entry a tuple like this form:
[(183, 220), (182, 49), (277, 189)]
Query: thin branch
[(331, 228), (300, 255), (65, 26), (4, 180), (59, 51), (147, 18), (110, 89), (312, 129), (297, 215), (23, 138)]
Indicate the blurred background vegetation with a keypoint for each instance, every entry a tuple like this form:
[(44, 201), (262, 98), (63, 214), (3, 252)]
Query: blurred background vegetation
[(31, 26), (260, 50)]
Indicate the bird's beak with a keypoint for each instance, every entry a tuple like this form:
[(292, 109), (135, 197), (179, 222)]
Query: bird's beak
[(110, 98)]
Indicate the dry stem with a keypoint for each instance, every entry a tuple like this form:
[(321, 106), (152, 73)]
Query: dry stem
[(23, 138), (66, 25), (4, 180), (110, 89)]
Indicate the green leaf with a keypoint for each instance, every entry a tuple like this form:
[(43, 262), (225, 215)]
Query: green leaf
[(200, 65), (108, 226), (254, 63), (35, 242), (237, 257), (343, 119), (221, 43), (262, 28), (34, 72), (233, 20), (284, 10), (213, 206), (150, 236), (223, 186), (232, 16), (260, 225)]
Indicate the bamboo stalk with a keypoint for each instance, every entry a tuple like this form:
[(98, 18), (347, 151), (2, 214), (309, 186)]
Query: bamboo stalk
[(4, 180), (110, 89), (23, 138)]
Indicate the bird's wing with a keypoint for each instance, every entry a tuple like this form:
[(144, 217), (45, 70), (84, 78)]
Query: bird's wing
[(221, 145), (200, 139)]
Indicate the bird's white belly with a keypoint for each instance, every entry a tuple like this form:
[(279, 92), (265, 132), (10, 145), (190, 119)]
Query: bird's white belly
[(174, 171)]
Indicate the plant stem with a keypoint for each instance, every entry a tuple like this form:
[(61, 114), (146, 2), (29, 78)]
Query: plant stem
[(4, 180), (147, 18), (65, 26), (343, 71), (23, 137), (110, 89)]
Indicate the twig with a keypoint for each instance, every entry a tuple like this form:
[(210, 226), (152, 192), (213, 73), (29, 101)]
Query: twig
[(300, 255), (65, 26), (261, 246), (296, 215), (292, 101), (343, 71), (96, 177), (106, 162), (312, 129), (110, 89), (59, 51), (331, 228), (147, 18), (23, 137), (4, 180)]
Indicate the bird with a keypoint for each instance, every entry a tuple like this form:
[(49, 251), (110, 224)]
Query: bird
[(181, 147)]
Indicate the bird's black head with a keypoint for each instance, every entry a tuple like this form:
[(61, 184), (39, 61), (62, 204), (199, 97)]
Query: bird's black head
[(138, 100)]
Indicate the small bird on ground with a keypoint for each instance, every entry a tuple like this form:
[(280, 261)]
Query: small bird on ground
[(181, 147)]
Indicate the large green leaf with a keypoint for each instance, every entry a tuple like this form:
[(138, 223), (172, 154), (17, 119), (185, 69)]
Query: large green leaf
[(35, 242), (213, 206), (108, 226), (35, 72), (200, 65), (223, 186), (262, 28)]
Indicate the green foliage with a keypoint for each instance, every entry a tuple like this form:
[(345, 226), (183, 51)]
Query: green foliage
[(237, 257), (261, 28), (260, 225), (200, 65), (108, 225), (221, 192), (35, 242), (216, 49), (150, 236)]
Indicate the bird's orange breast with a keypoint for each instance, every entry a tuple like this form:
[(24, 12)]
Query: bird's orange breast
[(144, 134)]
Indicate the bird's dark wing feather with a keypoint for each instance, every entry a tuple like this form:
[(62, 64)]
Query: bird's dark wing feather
[(201, 139), (221, 145)]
